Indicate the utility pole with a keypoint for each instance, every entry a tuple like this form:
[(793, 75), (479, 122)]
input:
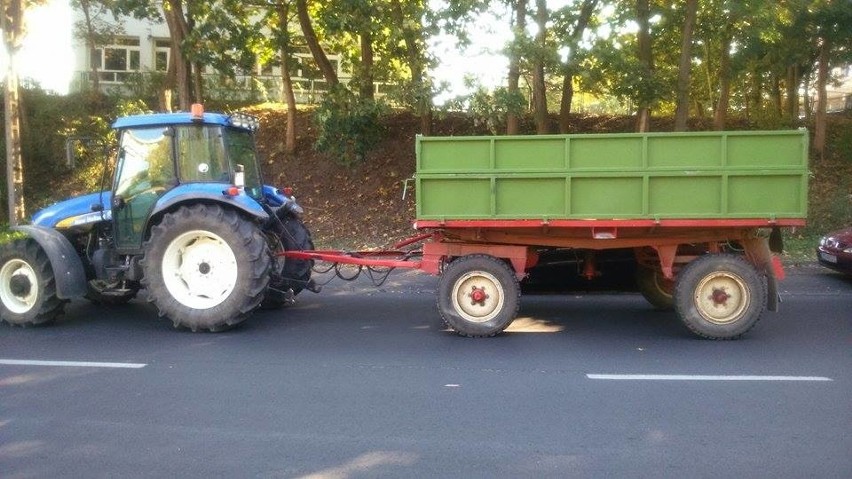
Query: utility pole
[(11, 22)]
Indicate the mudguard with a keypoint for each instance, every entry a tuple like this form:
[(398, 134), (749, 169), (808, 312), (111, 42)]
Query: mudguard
[(212, 192), (67, 268)]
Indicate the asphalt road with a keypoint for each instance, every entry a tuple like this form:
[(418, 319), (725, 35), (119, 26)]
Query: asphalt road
[(363, 382)]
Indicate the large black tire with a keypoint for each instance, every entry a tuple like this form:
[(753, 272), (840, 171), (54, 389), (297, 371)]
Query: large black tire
[(295, 275), (478, 296), (655, 287), (27, 285), (110, 293), (205, 267), (720, 296)]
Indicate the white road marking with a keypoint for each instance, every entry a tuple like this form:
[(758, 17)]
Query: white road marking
[(72, 364), (699, 377)]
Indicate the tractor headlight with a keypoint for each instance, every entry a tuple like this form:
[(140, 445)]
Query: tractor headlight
[(244, 121)]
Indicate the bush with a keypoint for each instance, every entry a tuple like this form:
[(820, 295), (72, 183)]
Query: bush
[(348, 126)]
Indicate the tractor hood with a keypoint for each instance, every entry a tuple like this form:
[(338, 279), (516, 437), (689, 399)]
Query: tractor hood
[(77, 211)]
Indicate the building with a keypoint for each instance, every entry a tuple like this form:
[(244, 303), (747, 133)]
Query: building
[(137, 60)]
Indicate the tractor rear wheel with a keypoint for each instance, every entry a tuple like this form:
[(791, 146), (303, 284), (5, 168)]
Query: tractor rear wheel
[(205, 267), (27, 285), (295, 274)]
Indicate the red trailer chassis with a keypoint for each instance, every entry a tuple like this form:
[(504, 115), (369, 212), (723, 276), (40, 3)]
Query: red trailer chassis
[(663, 248)]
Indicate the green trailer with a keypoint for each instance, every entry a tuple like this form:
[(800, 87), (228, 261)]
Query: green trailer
[(700, 213), (655, 176)]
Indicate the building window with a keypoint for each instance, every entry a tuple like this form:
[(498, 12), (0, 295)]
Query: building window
[(162, 50), (115, 62)]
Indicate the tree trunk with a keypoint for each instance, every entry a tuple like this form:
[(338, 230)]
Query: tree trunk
[(565, 104), (314, 46), (286, 81), (806, 98), (165, 99), (586, 11), (682, 111), (197, 82), (176, 22), (646, 60), (793, 92), (776, 96), (539, 86), (367, 86), (721, 113), (85, 6), (515, 64), (820, 116)]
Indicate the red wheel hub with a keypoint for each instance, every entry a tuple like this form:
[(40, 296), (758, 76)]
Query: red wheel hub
[(478, 295), (719, 296)]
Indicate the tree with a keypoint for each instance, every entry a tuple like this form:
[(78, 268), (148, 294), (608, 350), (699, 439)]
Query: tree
[(832, 22), (682, 112), (321, 59), (279, 19), (646, 62), (406, 17), (574, 31)]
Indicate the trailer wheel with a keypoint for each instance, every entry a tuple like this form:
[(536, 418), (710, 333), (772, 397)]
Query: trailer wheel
[(27, 285), (720, 296), (656, 289), (205, 267), (478, 296)]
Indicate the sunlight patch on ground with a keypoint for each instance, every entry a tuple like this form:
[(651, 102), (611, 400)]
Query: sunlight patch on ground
[(365, 464), (532, 325)]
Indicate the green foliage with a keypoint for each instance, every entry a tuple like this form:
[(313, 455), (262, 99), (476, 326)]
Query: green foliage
[(348, 126), (7, 235), (489, 109)]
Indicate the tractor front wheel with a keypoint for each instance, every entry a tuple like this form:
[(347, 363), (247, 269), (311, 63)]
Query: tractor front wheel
[(205, 267), (27, 285)]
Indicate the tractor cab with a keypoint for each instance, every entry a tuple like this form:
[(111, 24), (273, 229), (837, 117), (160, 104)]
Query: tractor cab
[(163, 158)]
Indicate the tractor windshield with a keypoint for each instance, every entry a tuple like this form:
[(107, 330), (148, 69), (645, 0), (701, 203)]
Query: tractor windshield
[(211, 154), (201, 154), (240, 147)]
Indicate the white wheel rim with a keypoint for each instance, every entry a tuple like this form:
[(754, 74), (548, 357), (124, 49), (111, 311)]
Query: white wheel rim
[(18, 304), (722, 297), (199, 269), (478, 296)]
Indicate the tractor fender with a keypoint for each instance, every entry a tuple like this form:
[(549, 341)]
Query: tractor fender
[(67, 268), (241, 202)]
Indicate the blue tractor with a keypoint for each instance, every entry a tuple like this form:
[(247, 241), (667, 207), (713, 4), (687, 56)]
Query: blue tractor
[(188, 219)]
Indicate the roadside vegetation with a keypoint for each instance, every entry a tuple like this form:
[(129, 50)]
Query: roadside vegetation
[(360, 204), (573, 66)]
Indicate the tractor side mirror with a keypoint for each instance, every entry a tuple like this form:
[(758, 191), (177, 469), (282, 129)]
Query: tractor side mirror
[(82, 146)]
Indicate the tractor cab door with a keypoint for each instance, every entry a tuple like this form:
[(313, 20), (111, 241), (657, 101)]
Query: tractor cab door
[(145, 171)]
